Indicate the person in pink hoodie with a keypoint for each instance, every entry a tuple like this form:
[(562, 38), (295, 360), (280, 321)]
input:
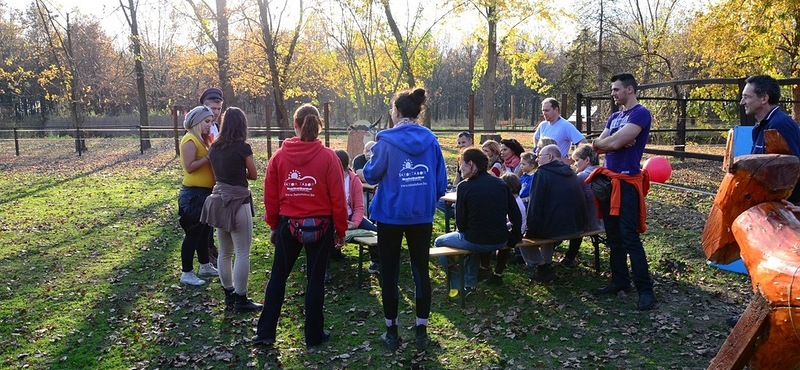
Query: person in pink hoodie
[(305, 206), (355, 208)]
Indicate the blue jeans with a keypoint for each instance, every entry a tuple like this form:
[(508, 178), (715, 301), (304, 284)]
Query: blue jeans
[(418, 239), (623, 240), (471, 261)]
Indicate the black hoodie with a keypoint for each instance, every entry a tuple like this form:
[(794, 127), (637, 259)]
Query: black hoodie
[(557, 209)]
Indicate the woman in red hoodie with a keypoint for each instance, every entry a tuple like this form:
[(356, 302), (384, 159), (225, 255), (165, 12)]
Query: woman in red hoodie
[(305, 207)]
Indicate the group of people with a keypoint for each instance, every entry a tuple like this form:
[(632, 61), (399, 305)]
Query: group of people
[(217, 167), (312, 196)]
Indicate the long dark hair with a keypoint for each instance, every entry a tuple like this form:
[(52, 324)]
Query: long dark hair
[(307, 119), (233, 128)]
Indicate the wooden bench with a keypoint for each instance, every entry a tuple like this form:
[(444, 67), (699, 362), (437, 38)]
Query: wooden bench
[(596, 236), (364, 243)]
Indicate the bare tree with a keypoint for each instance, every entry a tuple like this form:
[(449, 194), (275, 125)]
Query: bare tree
[(221, 44), (279, 57), (130, 16)]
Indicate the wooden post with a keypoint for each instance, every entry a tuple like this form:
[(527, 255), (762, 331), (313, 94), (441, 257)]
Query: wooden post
[(736, 351), (326, 108), (471, 114), (16, 141), (680, 135), (511, 120), (268, 120), (588, 116), (564, 104), (578, 118), (175, 129)]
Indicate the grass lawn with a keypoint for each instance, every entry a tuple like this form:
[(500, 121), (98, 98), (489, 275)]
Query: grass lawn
[(91, 263)]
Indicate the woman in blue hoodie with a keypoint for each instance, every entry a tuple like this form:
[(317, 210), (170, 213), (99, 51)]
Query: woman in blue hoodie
[(408, 163)]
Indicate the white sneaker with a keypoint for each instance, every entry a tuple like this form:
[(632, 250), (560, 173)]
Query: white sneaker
[(207, 269), (191, 279)]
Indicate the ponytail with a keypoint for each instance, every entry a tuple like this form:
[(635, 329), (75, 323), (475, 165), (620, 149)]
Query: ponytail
[(307, 120)]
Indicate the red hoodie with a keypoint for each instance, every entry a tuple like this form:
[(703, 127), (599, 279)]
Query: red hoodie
[(304, 179)]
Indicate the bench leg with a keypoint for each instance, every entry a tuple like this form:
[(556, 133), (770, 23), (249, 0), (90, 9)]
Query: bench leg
[(462, 291), (360, 265), (596, 240)]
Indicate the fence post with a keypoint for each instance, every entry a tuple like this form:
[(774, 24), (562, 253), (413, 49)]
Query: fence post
[(268, 118), (588, 116), (78, 140), (578, 118), (175, 130), (326, 110), (564, 104), (680, 135), (16, 141), (471, 114), (141, 140)]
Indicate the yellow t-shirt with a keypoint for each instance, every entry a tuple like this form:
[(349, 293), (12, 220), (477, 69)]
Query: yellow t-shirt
[(204, 176)]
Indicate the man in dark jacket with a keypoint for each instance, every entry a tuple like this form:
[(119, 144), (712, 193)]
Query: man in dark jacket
[(556, 210)]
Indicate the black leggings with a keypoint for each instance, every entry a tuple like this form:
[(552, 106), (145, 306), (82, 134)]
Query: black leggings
[(418, 238)]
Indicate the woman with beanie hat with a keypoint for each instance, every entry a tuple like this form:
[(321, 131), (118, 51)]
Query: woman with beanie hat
[(198, 180)]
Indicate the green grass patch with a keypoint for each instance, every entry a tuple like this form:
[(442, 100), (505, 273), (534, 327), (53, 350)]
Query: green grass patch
[(91, 262)]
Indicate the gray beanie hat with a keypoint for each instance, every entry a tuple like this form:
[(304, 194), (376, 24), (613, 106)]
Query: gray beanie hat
[(195, 116)]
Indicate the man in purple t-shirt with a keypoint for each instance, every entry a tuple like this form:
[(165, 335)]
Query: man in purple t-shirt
[(623, 142)]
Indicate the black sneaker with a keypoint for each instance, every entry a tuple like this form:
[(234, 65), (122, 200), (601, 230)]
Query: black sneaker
[(263, 340), (374, 268), (390, 338), (422, 340), (496, 280), (468, 291), (646, 302), (568, 263), (612, 289), (326, 336), (544, 273)]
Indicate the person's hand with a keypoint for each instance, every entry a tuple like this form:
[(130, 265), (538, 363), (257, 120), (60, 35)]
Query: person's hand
[(351, 225), (791, 206), (273, 236), (628, 145), (339, 242)]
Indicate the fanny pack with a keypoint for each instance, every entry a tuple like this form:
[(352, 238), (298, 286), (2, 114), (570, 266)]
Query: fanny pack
[(309, 229), (601, 187)]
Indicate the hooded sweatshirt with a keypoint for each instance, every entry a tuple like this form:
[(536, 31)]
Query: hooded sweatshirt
[(304, 179), (408, 163), (557, 207)]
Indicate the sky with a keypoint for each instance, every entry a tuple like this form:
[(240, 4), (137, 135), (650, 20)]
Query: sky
[(113, 21)]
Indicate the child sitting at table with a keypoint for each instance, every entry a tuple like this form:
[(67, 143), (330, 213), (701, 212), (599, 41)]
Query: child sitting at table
[(502, 255), (586, 160)]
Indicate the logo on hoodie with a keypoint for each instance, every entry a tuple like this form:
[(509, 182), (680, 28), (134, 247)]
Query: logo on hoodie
[(413, 175), (298, 185)]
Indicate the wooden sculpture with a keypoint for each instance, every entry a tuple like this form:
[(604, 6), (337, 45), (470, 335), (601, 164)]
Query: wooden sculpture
[(748, 220)]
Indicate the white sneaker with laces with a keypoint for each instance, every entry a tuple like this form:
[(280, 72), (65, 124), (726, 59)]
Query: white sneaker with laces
[(191, 279), (374, 268), (207, 269)]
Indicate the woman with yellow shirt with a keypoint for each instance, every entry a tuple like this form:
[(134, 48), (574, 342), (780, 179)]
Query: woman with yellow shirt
[(198, 180)]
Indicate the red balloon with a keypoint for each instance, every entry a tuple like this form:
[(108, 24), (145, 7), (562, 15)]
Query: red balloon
[(659, 169)]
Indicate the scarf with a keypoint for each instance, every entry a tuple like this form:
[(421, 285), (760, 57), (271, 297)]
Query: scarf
[(512, 162)]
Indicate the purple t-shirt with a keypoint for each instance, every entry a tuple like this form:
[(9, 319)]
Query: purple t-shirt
[(626, 160)]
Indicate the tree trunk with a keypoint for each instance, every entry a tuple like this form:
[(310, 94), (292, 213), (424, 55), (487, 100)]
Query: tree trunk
[(489, 112), (139, 71), (405, 67), (223, 54)]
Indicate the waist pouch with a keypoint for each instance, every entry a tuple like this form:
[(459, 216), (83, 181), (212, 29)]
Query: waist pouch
[(309, 229), (601, 187)]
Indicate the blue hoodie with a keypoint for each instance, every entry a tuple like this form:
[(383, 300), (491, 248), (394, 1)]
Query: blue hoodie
[(408, 163)]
